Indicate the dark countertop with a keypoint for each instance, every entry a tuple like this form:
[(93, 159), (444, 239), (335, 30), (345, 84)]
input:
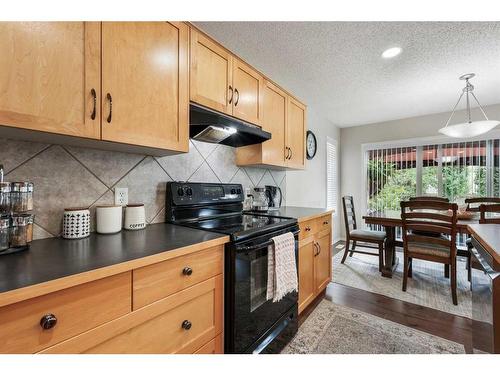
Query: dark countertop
[(488, 235), (299, 213), (56, 258)]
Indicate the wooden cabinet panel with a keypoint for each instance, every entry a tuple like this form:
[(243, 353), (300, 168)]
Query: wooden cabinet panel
[(210, 74), (77, 309), (47, 72), (296, 133), (307, 288), (212, 347), (145, 70), (323, 261), (158, 327), (271, 152), (247, 101), (159, 280)]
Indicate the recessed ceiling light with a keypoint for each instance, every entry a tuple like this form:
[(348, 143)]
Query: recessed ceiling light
[(391, 52)]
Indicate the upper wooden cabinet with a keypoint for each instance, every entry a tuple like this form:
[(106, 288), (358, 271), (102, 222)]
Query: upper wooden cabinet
[(222, 82), (274, 114), (296, 134), (211, 74), (50, 77), (145, 84), (51, 74)]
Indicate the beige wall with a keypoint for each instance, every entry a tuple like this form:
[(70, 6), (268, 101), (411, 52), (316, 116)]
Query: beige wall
[(353, 138), (307, 188)]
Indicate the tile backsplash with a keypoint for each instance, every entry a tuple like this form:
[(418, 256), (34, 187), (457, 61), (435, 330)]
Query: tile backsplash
[(67, 176)]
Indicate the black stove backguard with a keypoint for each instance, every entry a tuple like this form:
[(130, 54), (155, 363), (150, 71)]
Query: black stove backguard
[(252, 324)]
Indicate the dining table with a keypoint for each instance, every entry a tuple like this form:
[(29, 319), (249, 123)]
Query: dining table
[(390, 220)]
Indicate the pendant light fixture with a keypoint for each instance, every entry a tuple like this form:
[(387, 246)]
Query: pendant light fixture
[(470, 128)]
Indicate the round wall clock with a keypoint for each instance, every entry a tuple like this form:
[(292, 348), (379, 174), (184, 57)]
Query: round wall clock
[(311, 145)]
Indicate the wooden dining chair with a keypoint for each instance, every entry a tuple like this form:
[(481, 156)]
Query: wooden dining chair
[(359, 235), (484, 209), (432, 217), (473, 205)]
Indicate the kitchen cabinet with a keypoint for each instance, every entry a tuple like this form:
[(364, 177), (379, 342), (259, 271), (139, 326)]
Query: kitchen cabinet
[(274, 114), (145, 84), (222, 82), (315, 259), (50, 77), (296, 134)]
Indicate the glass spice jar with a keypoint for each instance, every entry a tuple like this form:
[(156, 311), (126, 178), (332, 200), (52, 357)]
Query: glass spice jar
[(29, 230), (4, 232), (19, 196), (5, 189), (31, 187), (19, 230)]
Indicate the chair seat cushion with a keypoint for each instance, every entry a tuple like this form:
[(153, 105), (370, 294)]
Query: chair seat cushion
[(367, 235), (429, 249)]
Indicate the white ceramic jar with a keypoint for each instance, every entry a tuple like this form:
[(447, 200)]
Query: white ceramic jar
[(135, 217), (76, 223), (108, 219)]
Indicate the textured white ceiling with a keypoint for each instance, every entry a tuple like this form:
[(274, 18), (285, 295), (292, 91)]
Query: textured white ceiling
[(337, 66)]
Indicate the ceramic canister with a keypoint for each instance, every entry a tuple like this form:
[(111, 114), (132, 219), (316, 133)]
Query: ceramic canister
[(76, 223), (108, 219), (135, 217)]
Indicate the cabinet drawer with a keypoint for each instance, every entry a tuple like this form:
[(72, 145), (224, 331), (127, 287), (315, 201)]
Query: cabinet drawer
[(324, 222), (157, 281), (158, 328), (307, 228), (77, 310)]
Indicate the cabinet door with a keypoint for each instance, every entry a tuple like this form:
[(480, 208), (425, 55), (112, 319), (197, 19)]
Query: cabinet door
[(145, 72), (322, 261), (296, 133), (306, 273), (247, 101), (47, 73), (274, 121), (210, 74)]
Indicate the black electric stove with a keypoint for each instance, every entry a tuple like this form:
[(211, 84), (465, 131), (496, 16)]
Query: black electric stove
[(252, 324)]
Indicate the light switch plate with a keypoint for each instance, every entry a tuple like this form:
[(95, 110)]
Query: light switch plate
[(121, 196)]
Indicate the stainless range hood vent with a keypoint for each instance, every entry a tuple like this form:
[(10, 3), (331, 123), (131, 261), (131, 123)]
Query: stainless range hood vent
[(210, 126)]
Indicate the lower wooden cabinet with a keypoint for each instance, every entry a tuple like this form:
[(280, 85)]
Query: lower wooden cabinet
[(215, 346), (315, 259), (181, 323)]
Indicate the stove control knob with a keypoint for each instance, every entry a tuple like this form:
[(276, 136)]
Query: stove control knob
[(180, 192), (238, 191), (189, 191), (233, 191)]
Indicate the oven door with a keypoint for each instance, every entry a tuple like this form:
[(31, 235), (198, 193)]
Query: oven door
[(249, 315)]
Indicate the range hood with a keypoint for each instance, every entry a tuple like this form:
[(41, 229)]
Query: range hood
[(210, 126)]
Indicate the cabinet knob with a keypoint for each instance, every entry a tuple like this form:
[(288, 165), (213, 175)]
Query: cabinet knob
[(94, 101), (325, 222), (232, 93), (188, 271), (110, 99), (237, 97), (308, 229), (186, 325), (48, 321)]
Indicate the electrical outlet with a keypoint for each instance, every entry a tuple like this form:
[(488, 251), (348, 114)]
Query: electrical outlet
[(121, 196)]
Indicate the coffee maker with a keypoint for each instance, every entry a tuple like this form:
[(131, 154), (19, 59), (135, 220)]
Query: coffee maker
[(274, 197)]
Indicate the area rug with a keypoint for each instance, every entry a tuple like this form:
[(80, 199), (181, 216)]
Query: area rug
[(428, 286), (335, 329)]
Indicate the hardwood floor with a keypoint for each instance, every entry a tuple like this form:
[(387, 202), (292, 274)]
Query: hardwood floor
[(435, 322)]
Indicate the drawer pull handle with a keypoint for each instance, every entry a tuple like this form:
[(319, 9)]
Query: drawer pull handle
[(94, 101), (308, 229), (110, 99), (186, 325), (188, 271), (48, 321), (325, 222)]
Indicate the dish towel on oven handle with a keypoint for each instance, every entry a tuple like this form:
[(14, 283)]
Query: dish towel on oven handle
[(281, 267)]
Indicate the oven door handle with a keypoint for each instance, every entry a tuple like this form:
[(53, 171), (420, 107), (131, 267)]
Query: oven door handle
[(261, 245)]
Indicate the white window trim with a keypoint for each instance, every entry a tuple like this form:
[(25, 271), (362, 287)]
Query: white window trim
[(334, 142)]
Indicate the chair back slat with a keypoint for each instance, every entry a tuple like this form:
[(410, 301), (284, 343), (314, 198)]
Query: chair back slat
[(486, 209), (473, 204), (349, 213), (429, 216), (428, 227), (429, 198)]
